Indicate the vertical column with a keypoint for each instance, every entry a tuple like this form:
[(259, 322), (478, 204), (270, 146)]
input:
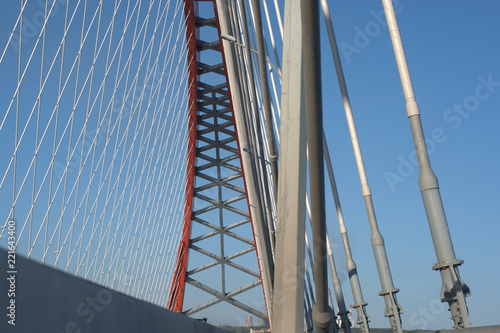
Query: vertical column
[(322, 313), (454, 290), (288, 307)]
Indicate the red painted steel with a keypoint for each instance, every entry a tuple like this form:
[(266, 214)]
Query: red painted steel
[(178, 284), (176, 297)]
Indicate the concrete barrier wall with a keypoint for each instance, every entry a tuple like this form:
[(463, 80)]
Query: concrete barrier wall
[(50, 301)]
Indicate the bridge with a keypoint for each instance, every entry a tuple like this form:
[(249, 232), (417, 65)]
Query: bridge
[(166, 161)]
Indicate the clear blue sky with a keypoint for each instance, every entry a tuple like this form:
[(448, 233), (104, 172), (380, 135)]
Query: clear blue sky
[(452, 48)]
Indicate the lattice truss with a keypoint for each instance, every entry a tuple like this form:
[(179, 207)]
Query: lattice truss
[(220, 238), (93, 138), (219, 196), (222, 260)]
